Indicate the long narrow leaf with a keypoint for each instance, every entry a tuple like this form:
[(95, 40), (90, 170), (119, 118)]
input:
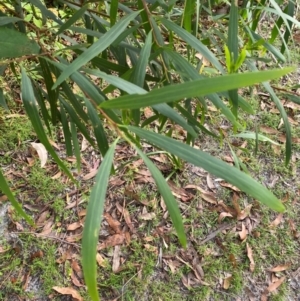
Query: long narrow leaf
[(168, 197), (33, 114), (194, 89), (5, 189), (92, 223), (193, 42), (213, 166), (106, 40)]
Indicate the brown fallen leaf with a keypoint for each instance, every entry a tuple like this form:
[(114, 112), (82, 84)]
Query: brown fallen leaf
[(280, 268), (75, 280), (205, 195), (268, 130), (210, 183), (116, 259), (276, 221), (226, 282), (147, 216), (113, 223), (41, 151), (272, 287), (223, 215), (230, 186), (126, 215), (243, 232), (90, 175), (68, 291), (244, 213), (113, 240), (74, 226), (100, 260), (250, 257)]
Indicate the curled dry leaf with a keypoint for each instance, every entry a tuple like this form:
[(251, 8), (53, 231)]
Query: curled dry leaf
[(113, 223), (276, 221), (226, 282), (250, 256), (41, 151), (147, 216), (280, 268), (243, 232), (205, 195), (230, 186), (272, 287), (73, 226), (244, 213), (68, 291), (223, 215)]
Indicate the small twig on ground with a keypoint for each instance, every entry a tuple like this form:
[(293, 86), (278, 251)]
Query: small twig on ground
[(216, 232)]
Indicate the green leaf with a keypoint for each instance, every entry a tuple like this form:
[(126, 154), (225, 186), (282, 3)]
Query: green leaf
[(106, 40), (9, 38), (92, 223), (253, 135), (7, 20), (212, 165), (31, 109), (76, 16), (5, 189), (194, 88), (2, 100), (168, 197), (113, 12), (193, 42)]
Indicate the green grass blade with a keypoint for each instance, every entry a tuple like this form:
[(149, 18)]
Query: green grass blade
[(139, 72), (31, 109), (255, 136), (66, 131), (193, 42), (2, 100), (7, 20), (105, 41), (212, 165), (189, 10), (168, 197), (288, 132), (5, 189), (113, 12), (92, 224), (194, 88), (76, 146)]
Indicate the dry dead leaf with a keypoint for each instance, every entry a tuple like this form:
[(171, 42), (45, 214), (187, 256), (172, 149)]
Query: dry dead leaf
[(41, 151), (268, 130), (205, 195), (250, 256), (74, 226), (272, 287), (90, 175), (75, 280), (276, 221), (230, 186), (113, 240), (244, 213), (113, 223), (223, 215), (147, 216), (209, 181), (226, 282), (68, 291), (126, 215), (100, 260), (243, 232), (116, 259), (148, 112), (280, 268)]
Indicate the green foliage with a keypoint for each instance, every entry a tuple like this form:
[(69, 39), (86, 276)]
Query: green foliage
[(131, 50)]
